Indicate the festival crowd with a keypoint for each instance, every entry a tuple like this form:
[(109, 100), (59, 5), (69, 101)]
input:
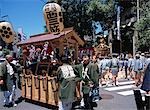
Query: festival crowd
[(91, 72)]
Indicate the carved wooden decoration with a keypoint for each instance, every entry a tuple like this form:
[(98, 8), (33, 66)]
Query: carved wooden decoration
[(102, 49)]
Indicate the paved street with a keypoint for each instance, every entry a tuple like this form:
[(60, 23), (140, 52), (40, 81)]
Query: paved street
[(113, 98), (118, 98)]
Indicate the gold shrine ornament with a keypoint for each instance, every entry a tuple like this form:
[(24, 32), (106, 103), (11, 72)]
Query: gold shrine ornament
[(53, 18), (6, 32)]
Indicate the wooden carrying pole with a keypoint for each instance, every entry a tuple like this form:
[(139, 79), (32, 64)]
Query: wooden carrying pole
[(138, 99), (147, 101)]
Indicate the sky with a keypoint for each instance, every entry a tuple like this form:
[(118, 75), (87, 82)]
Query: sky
[(26, 14)]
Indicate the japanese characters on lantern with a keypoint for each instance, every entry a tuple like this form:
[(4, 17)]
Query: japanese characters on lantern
[(53, 17)]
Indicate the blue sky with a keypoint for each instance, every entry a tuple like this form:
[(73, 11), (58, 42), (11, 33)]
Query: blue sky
[(26, 14)]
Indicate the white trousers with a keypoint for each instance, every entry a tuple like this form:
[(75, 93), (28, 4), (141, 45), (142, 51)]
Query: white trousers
[(65, 105)]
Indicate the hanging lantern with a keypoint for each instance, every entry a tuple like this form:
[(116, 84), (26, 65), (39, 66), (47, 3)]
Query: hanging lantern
[(53, 17), (6, 32)]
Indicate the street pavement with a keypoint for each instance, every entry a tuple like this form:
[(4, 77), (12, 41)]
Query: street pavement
[(118, 98), (113, 98)]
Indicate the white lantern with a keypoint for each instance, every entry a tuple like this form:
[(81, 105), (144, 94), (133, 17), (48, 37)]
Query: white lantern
[(6, 32), (53, 17)]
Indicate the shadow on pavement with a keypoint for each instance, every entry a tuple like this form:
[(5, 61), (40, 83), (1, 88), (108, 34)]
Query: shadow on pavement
[(107, 96), (52, 107), (76, 105), (19, 100)]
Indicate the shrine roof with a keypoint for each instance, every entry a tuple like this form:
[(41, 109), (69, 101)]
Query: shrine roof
[(44, 37)]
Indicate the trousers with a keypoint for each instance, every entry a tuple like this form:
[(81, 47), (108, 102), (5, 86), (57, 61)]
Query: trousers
[(10, 96), (65, 105), (87, 101)]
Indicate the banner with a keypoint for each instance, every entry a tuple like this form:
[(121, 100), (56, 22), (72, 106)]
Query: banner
[(118, 23)]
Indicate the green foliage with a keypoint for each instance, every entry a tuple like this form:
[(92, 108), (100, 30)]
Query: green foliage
[(101, 7), (143, 26), (102, 11), (80, 13), (75, 15)]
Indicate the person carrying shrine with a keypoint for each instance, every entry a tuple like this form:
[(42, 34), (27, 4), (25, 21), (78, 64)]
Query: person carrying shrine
[(114, 65), (67, 85), (94, 93), (8, 81), (137, 68), (86, 71)]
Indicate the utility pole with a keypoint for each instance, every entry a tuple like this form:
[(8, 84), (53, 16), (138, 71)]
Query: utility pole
[(135, 36), (138, 10), (110, 40)]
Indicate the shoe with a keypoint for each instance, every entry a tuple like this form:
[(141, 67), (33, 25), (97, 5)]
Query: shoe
[(128, 77), (6, 105), (113, 84), (5, 101), (100, 97), (78, 107), (117, 83), (107, 83), (15, 105), (11, 104)]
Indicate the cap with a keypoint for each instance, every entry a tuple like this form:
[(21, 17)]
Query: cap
[(114, 54), (137, 55), (142, 54), (9, 56)]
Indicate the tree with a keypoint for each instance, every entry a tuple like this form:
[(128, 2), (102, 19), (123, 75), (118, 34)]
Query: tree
[(143, 26), (75, 16), (80, 14), (128, 18), (103, 11)]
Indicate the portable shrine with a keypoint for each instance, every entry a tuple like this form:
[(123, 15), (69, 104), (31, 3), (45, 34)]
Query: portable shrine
[(39, 53), (40, 78)]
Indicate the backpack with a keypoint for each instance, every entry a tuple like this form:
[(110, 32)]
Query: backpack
[(67, 72), (94, 94)]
